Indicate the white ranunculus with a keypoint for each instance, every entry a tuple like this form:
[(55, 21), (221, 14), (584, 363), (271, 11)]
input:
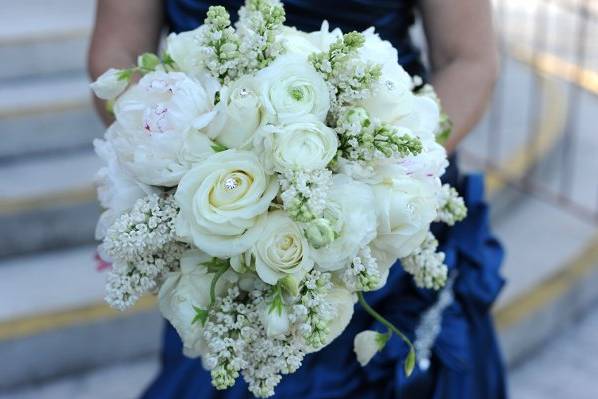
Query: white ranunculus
[(276, 323), (304, 44), (290, 89), (366, 344), (343, 302), (184, 289), (405, 207), (302, 145), (109, 84), (184, 49), (238, 114), (117, 190), (154, 118), (350, 207), (221, 201), (281, 250)]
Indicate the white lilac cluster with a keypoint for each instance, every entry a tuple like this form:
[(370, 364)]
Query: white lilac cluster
[(261, 179), (141, 247), (365, 139), (363, 274), (426, 264), (451, 207), (304, 193)]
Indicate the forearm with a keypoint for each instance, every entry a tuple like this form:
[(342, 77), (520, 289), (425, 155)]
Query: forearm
[(464, 88), (122, 31), (463, 57)]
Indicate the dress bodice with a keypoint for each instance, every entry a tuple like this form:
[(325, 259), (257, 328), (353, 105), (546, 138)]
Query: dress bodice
[(391, 18)]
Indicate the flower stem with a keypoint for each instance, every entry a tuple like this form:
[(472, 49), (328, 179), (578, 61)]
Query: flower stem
[(391, 327)]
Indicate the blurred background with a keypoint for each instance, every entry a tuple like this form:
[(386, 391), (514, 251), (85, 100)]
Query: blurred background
[(538, 145)]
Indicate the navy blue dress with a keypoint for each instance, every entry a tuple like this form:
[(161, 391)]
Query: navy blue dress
[(465, 360)]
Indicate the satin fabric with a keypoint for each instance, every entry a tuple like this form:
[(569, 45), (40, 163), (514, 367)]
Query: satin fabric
[(466, 361)]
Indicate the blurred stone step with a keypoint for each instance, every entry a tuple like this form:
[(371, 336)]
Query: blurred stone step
[(48, 202), (40, 37), (58, 324), (53, 320), (45, 115)]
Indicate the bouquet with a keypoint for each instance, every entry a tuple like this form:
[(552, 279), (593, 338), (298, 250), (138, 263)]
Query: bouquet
[(260, 179)]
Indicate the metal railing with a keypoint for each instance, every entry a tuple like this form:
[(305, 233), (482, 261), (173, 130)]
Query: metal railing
[(541, 133)]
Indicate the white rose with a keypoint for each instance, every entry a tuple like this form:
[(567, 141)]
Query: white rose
[(405, 208), (281, 250), (350, 207), (303, 145), (304, 44), (183, 48), (366, 344), (185, 289), (238, 114), (110, 84), (117, 190), (154, 118), (221, 200), (290, 88)]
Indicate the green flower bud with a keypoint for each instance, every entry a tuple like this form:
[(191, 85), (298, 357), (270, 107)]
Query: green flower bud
[(319, 233)]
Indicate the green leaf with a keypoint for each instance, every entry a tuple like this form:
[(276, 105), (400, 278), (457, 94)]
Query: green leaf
[(382, 339), (410, 362), (148, 61), (216, 265), (125, 74), (445, 130), (290, 285), (201, 316), (167, 59), (217, 147), (110, 106), (276, 304)]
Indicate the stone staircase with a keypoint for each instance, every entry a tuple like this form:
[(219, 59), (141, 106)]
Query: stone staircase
[(52, 319), (47, 124)]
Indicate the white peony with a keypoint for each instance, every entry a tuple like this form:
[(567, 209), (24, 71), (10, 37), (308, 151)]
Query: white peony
[(304, 44), (290, 89), (405, 208), (302, 145), (238, 114), (110, 84), (185, 289), (184, 49), (117, 190), (351, 211), (429, 165), (423, 119), (375, 50), (154, 118), (221, 200), (281, 250), (366, 344)]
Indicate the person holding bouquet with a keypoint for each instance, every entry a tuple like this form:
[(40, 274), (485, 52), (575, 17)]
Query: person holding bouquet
[(446, 316)]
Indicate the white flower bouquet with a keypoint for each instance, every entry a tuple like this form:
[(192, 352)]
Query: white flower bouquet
[(260, 179)]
